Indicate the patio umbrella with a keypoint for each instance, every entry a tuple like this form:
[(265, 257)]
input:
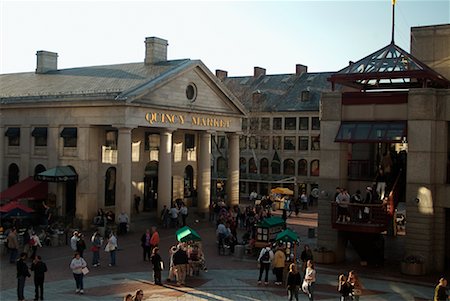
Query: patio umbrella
[(57, 174), (186, 234), (282, 190), (15, 209), (287, 236)]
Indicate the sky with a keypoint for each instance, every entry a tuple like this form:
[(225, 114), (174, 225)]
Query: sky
[(234, 36)]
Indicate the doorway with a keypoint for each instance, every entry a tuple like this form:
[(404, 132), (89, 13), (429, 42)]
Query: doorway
[(151, 186), (447, 242)]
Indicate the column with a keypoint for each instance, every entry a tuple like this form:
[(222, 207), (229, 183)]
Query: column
[(123, 177), (233, 169), (165, 170), (204, 173)]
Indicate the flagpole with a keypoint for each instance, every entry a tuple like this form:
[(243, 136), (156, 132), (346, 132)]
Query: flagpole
[(393, 20)]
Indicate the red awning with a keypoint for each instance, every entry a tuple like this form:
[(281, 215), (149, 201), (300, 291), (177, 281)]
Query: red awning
[(15, 205), (26, 189)]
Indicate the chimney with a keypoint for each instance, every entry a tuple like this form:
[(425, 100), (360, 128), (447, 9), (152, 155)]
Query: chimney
[(300, 69), (155, 50), (221, 74), (258, 71), (46, 61)]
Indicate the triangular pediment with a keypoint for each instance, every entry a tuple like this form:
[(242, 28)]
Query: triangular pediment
[(170, 91)]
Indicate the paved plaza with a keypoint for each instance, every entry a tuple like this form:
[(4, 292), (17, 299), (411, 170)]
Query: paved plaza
[(228, 277)]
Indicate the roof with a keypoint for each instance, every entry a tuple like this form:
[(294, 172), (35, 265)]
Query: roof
[(389, 68), (25, 189), (108, 80), (270, 222), (281, 92)]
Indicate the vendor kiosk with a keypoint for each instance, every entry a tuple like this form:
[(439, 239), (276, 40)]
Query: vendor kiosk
[(267, 230)]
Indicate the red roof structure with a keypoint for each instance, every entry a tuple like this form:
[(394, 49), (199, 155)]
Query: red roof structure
[(15, 205), (26, 189)]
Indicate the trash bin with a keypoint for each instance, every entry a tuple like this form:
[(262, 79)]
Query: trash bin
[(311, 232), (239, 251)]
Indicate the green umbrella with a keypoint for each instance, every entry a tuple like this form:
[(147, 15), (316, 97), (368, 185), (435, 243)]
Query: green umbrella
[(287, 236), (187, 234)]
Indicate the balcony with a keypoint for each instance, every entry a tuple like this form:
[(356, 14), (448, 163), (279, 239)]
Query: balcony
[(373, 218)]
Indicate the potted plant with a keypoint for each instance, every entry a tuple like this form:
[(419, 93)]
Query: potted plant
[(413, 265), (323, 255)]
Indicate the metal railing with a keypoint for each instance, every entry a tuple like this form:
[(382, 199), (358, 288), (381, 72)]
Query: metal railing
[(370, 218)]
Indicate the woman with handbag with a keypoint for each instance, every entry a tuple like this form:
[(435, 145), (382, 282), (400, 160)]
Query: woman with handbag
[(77, 265), (353, 279), (309, 280), (111, 247)]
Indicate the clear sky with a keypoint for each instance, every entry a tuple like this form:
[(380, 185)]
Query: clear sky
[(230, 35)]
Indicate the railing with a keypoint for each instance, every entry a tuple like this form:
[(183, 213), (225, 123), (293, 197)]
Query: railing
[(368, 218), (360, 169)]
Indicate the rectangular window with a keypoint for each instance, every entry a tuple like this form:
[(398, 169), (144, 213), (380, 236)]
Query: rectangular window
[(254, 124), (289, 143), (315, 123), (221, 142), (40, 136), (265, 123), (151, 141), (276, 142), (253, 143), (290, 123), (277, 123), (315, 143), (303, 143), (305, 95), (242, 142), (189, 141), (111, 139), (244, 124), (13, 135), (264, 140), (304, 123), (70, 137)]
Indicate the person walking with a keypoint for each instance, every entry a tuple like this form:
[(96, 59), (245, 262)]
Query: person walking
[(357, 287), (174, 216), (96, 241), (35, 242), (13, 245), (154, 240), (22, 274), (111, 247), (264, 260), (183, 213), (440, 291), (39, 268), (145, 244), (293, 282), (279, 260), (73, 241), (310, 279), (81, 244), (123, 223), (157, 266), (180, 262), (76, 265)]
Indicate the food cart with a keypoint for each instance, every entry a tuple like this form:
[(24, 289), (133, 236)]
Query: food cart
[(289, 239), (267, 230), (279, 194)]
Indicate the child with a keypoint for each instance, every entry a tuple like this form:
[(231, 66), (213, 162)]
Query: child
[(345, 288), (157, 265)]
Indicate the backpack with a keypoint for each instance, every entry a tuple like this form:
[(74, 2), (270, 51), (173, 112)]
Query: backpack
[(265, 256)]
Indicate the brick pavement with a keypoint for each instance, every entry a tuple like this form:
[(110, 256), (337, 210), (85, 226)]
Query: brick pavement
[(228, 278)]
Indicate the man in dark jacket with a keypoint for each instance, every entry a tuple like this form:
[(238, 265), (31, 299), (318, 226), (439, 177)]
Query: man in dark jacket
[(180, 262), (39, 269), (22, 273)]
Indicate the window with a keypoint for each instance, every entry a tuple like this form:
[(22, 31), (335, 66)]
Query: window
[(70, 137), (221, 166), (265, 123), (242, 142), (315, 143), (264, 166), (305, 95), (244, 124), (242, 165), (303, 142), (304, 123), (290, 123), (252, 168), (110, 186), (264, 141), (189, 141), (315, 168), (276, 143), (13, 174), (40, 136), (252, 142), (188, 181), (315, 123), (111, 139), (275, 167), (289, 167), (254, 124), (289, 143), (191, 92), (277, 123), (302, 167), (13, 135), (151, 141)]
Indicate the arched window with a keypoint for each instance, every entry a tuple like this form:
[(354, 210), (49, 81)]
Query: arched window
[(242, 165), (252, 166), (188, 181), (39, 168), (264, 166), (110, 187), (315, 168), (302, 167), (13, 174), (276, 167), (289, 167), (221, 166)]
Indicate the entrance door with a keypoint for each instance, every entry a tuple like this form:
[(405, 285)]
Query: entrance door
[(447, 241), (151, 186), (71, 198)]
